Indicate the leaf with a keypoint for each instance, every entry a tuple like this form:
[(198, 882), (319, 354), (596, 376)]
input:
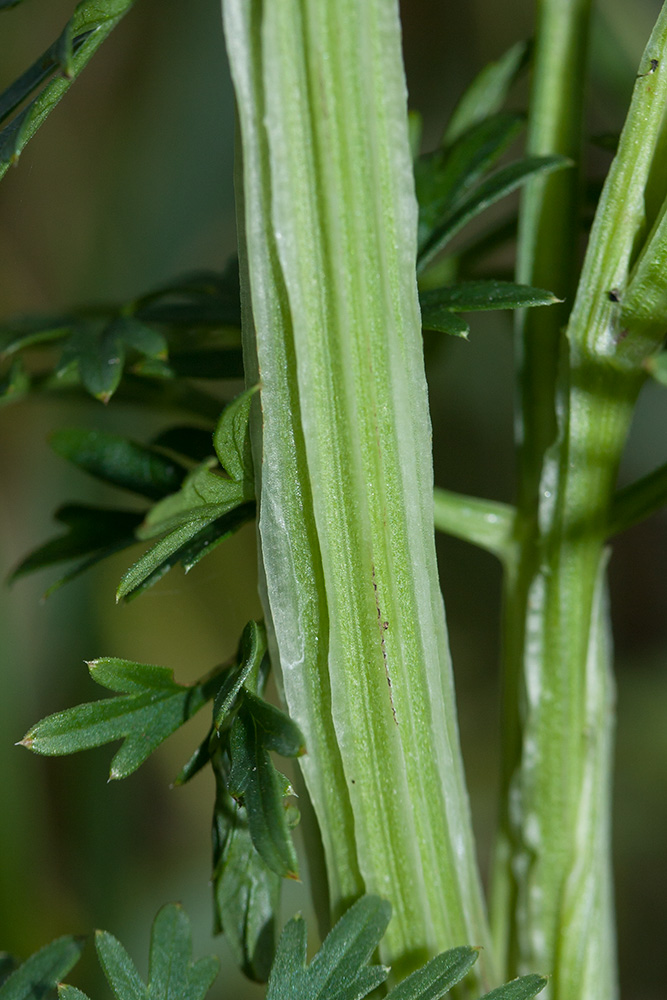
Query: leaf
[(656, 366), (232, 441), (91, 23), (246, 892), (437, 977), (339, 971), (200, 299), (275, 730), (519, 989), (488, 91), (445, 174), (472, 296), (32, 331), (71, 993), (221, 362), (95, 530), (198, 542), (37, 978), (119, 461), (7, 965), (255, 783), (6, 4), (150, 708), (489, 191), (204, 494), (172, 973), (252, 649), (98, 354), (15, 385), (444, 321)]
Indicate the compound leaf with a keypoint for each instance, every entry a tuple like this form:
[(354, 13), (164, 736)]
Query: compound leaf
[(151, 708), (519, 989), (437, 977), (488, 91), (39, 975), (492, 189), (339, 971), (91, 23)]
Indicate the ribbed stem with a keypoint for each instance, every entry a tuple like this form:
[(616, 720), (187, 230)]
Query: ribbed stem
[(346, 495)]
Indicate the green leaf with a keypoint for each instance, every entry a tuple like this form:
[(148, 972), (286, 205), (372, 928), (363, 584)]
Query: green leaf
[(275, 730), (71, 993), (204, 494), (437, 977), (95, 530), (141, 338), (472, 296), (151, 708), (489, 191), (488, 91), (202, 299), (7, 965), (254, 782), (32, 331), (339, 971), (37, 978), (519, 989), (441, 177), (172, 973), (119, 461), (6, 4), (15, 385), (246, 892), (443, 321), (232, 441), (252, 649), (187, 545), (91, 23), (636, 502)]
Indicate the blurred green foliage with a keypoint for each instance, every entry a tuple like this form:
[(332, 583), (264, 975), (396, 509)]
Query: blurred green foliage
[(128, 184)]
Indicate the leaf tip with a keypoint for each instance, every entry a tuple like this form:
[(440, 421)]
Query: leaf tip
[(26, 742)]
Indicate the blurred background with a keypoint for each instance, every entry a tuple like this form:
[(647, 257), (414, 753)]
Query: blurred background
[(129, 183)]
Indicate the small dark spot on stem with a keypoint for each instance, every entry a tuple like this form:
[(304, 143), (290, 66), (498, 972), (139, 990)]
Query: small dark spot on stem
[(614, 295), (652, 68)]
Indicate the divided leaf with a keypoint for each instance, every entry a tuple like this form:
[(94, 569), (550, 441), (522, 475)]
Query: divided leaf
[(519, 989), (438, 304), (38, 977), (488, 91), (340, 970), (437, 977), (172, 973), (149, 708), (91, 23)]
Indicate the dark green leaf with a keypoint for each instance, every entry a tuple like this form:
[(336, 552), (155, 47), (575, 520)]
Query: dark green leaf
[(172, 973), (472, 296), (202, 299), (252, 649), (275, 730), (118, 461), (91, 530), (71, 993), (197, 762), (443, 321), (441, 177), (37, 978), (140, 337), (339, 970), (100, 356), (254, 782), (489, 191), (151, 708), (6, 4), (246, 892), (437, 977), (91, 23), (636, 502), (31, 331), (144, 574), (232, 440), (488, 91), (519, 989)]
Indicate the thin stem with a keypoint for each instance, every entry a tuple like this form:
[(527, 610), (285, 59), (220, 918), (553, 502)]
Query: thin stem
[(557, 821)]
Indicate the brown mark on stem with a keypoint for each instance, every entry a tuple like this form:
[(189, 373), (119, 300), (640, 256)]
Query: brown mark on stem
[(383, 626)]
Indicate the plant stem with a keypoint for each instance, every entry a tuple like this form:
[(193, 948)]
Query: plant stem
[(346, 494), (553, 861)]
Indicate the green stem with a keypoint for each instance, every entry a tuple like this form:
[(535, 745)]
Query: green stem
[(346, 509), (556, 827), (488, 524), (548, 229)]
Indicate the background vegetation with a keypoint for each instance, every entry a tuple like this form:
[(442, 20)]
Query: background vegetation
[(129, 183)]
